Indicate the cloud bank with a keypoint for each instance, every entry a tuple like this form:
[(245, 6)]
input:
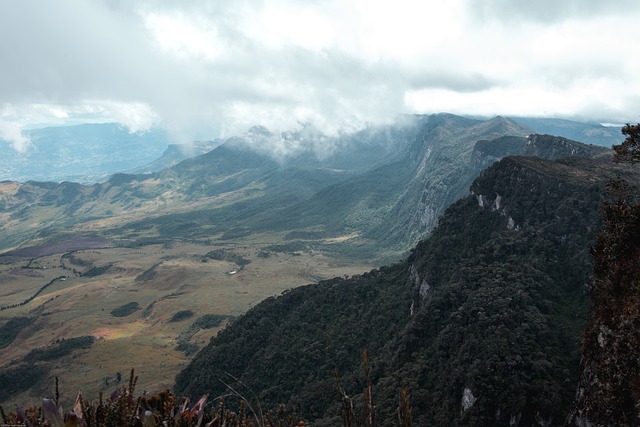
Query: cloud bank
[(213, 69)]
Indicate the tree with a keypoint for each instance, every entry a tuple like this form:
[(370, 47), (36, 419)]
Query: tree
[(629, 150), (609, 385)]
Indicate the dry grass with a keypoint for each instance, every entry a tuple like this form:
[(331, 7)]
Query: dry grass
[(82, 306), (123, 409)]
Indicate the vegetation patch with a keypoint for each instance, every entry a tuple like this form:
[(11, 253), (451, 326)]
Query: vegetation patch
[(230, 256), (76, 260), (125, 309), (207, 321), (17, 379), (181, 315), (148, 310), (10, 330), (60, 349), (149, 274), (187, 348), (236, 233), (292, 246), (148, 410), (97, 271)]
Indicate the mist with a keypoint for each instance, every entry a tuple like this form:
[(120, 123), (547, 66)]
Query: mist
[(204, 71)]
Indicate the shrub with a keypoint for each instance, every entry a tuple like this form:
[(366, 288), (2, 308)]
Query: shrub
[(125, 310), (209, 321), (10, 330), (60, 349), (96, 271), (181, 315)]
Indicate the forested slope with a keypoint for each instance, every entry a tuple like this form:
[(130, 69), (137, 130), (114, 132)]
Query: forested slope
[(489, 307)]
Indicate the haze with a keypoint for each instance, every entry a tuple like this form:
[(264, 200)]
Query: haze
[(212, 69)]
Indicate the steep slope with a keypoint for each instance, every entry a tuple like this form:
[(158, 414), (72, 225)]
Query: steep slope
[(608, 391), (175, 153), (487, 152), (398, 203), (379, 190), (436, 161), (421, 166), (488, 308)]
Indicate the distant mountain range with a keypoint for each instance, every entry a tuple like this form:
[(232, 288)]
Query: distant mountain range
[(84, 153), (383, 188), (588, 133), (90, 153), (174, 154)]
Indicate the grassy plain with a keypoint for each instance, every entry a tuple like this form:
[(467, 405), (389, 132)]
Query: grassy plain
[(163, 279)]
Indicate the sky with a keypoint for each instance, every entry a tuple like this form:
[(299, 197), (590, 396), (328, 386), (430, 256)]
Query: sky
[(208, 69)]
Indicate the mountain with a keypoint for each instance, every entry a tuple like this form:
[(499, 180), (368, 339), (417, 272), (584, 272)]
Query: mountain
[(372, 194), (481, 324), (84, 153), (258, 214), (174, 154), (398, 203), (588, 133)]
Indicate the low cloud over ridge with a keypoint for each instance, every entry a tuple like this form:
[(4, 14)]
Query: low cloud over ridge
[(205, 70)]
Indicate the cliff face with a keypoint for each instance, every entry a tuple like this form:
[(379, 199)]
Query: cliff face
[(609, 387), (437, 170), (481, 323), (508, 268)]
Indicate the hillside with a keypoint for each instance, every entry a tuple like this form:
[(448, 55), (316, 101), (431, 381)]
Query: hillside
[(490, 307), (378, 191), (220, 232), (174, 154)]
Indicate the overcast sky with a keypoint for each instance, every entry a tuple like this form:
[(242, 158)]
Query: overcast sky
[(205, 69)]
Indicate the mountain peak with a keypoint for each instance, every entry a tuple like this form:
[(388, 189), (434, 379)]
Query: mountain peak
[(259, 130), (507, 126), (502, 120)]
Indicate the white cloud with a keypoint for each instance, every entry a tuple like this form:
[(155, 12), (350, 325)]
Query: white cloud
[(13, 134), (184, 37), (205, 69), (136, 116)]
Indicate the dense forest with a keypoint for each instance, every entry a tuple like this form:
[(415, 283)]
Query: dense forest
[(609, 385), (481, 324)]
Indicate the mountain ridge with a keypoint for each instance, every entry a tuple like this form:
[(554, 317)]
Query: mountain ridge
[(239, 204), (492, 302), (415, 170)]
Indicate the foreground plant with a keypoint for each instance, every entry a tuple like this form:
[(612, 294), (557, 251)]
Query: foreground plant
[(122, 409)]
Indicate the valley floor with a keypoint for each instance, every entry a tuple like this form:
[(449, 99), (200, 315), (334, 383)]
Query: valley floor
[(86, 285)]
